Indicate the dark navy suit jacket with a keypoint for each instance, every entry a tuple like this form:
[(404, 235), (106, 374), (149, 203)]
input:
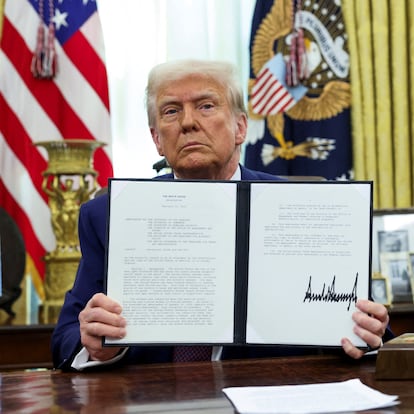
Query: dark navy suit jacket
[(90, 280)]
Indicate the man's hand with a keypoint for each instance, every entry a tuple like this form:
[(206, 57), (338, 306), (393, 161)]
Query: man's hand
[(101, 317), (371, 320)]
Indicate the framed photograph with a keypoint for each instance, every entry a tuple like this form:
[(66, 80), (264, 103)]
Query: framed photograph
[(393, 241), (392, 231), (411, 262), (380, 289), (397, 268)]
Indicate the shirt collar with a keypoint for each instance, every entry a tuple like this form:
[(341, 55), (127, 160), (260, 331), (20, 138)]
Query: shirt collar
[(237, 174)]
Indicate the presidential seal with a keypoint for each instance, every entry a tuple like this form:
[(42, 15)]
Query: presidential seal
[(301, 70)]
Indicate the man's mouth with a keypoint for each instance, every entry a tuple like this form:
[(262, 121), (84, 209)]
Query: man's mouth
[(192, 145)]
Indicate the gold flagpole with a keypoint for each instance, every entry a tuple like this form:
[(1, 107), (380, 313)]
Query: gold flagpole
[(1, 16)]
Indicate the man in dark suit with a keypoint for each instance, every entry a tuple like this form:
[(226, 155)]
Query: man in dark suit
[(198, 123)]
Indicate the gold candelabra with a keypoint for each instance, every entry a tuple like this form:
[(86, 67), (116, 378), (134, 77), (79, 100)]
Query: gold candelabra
[(69, 181)]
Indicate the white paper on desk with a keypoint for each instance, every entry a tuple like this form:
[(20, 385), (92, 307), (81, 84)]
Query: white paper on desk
[(351, 395)]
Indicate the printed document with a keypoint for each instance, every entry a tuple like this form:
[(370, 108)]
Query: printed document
[(335, 397), (211, 262)]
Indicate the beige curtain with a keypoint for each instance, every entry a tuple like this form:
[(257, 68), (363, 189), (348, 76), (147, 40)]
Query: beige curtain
[(381, 43)]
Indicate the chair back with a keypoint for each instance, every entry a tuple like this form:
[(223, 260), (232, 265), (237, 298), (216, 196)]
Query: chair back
[(13, 261)]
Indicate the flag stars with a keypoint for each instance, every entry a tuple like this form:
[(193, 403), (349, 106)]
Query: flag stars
[(60, 19)]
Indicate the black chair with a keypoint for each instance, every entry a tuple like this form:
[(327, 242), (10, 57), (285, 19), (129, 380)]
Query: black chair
[(13, 262), (161, 166)]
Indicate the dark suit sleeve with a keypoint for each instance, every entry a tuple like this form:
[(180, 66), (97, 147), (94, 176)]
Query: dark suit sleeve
[(89, 280)]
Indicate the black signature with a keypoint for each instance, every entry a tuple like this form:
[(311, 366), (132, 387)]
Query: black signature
[(329, 295)]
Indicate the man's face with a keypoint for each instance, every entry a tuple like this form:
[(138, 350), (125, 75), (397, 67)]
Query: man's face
[(196, 130)]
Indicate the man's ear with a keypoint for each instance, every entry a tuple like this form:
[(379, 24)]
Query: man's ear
[(156, 139), (241, 128)]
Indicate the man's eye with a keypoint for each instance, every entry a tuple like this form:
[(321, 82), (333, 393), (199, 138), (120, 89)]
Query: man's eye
[(170, 111), (207, 106)]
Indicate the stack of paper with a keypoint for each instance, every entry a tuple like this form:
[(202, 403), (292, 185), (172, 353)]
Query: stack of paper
[(351, 395)]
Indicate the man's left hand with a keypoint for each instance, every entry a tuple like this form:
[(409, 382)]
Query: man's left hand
[(371, 321)]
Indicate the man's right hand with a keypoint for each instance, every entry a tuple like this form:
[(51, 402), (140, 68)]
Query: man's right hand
[(101, 317)]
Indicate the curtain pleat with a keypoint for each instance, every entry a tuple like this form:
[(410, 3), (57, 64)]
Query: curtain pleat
[(410, 15), (366, 75), (349, 13), (383, 103), (400, 98)]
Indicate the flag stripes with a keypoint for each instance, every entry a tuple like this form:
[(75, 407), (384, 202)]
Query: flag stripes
[(75, 104), (19, 149), (268, 95), (87, 64), (59, 97), (73, 83), (35, 234)]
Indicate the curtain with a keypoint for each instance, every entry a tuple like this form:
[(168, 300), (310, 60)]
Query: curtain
[(381, 42), (140, 34)]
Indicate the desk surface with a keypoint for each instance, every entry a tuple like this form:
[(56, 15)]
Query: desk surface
[(180, 388)]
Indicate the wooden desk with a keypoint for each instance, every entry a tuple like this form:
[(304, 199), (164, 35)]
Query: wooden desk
[(25, 346), (181, 388), (402, 318)]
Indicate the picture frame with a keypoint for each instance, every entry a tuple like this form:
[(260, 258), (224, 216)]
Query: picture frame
[(380, 289), (397, 268), (411, 261), (389, 221), (393, 241)]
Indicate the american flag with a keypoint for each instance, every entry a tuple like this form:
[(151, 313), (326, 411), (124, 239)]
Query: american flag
[(270, 93), (74, 104)]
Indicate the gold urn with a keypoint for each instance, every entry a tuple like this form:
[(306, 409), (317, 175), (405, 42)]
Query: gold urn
[(69, 181)]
